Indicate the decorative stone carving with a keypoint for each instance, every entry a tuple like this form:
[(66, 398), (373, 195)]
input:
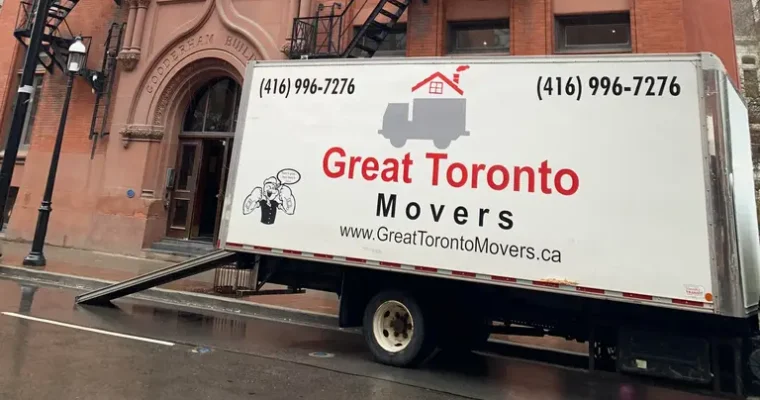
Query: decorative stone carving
[(176, 82), (143, 3), (129, 59), (141, 133)]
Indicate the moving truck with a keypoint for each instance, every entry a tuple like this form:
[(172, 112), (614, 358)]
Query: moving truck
[(604, 199)]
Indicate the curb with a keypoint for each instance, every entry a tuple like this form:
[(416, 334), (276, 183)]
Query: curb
[(176, 297)]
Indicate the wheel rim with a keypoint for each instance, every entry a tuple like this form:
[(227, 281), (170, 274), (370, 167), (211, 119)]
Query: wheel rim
[(393, 326)]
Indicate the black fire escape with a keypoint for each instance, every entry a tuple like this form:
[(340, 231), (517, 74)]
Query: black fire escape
[(56, 39), (330, 34)]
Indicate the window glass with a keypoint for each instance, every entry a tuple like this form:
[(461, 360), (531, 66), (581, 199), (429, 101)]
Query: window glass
[(594, 32), (214, 107), (486, 36)]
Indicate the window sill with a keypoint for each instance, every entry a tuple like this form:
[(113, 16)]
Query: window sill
[(620, 50), (462, 54), (20, 157)]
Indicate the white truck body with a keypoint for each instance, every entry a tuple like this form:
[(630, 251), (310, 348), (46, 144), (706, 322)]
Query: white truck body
[(639, 191)]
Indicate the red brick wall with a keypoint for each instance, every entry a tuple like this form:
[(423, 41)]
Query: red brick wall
[(425, 29), (659, 27), (77, 183), (702, 19), (8, 51), (531, 27)]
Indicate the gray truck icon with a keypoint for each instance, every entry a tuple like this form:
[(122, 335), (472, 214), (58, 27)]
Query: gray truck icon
[(441, 120)]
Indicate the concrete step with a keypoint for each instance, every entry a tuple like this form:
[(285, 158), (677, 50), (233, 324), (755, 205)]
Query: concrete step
[(182, 247)]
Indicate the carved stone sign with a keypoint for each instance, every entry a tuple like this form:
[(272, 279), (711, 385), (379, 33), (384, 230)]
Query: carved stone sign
[(241, 47), (237, 45), (179, 52)]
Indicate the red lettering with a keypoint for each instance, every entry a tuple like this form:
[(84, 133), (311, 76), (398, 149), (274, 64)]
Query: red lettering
[(369, 168), (574, 182), (504, 177), (407, 162), (462, 175), (476, 168), (340, 165), (352, 161), (531, 178), (545, 171), (436, 157), (335, 165), (390, 172)]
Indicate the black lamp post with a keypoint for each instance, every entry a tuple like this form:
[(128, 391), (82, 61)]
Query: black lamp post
[(77, 53)]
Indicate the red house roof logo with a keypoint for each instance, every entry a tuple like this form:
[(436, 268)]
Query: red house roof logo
[(436, 86)]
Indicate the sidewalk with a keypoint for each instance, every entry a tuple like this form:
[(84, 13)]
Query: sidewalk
[(114, 267)]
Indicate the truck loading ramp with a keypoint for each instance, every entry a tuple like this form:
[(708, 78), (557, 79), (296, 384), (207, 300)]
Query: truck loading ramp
[(158, 277)]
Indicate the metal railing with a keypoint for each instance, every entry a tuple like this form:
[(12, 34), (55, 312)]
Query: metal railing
[(323, 35)]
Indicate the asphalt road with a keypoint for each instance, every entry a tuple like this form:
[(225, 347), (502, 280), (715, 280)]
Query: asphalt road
[(70, 352)]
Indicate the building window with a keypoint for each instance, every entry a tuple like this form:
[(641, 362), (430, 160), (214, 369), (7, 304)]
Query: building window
[(751, 86), (749, 77), (31, 110), (479, 37), (214, 107), (12, 195), (593, 33), (394, 44)]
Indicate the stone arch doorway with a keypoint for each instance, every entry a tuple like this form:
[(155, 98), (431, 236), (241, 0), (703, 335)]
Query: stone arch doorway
[(203, 157)]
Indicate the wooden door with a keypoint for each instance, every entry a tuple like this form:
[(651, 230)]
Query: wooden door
[(222, 185), (183, 196)]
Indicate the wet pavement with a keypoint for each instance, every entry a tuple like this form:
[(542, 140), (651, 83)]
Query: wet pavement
[(221, 355)]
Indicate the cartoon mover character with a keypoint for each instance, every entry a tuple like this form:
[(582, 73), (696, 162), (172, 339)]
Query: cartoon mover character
[(271, 196)]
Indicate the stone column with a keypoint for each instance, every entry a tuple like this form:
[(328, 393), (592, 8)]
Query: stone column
[(142, 8), (127, 57), (130, 24)]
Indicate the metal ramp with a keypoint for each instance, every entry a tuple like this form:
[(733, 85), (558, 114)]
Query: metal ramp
[(159, 277)]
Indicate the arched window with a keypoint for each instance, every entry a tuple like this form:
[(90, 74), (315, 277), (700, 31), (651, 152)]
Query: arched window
[(214, 107)]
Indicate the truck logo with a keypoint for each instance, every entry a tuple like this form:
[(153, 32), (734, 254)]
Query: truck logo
[(441, 120), (274, 194)]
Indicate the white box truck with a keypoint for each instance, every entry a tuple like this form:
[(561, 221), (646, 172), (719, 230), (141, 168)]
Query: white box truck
[(605, 199)]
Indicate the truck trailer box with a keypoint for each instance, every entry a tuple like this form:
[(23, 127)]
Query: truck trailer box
[(623, 177), (604, 199)]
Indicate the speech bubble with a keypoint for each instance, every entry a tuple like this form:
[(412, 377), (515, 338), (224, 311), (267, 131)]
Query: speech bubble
[(289, 176)]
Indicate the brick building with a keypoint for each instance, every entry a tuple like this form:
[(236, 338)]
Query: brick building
[(172, 91)]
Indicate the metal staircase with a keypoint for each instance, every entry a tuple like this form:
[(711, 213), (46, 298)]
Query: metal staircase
[(56, 38), (54, 52), (324, 35), (99, 127)]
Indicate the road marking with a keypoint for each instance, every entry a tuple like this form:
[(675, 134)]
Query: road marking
[(82, 328)]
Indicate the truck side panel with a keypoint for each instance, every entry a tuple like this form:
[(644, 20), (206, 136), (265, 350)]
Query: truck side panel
[(743, 192), (621, 214)]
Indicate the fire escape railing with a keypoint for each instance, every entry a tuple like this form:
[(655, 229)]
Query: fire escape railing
[(330, 34)]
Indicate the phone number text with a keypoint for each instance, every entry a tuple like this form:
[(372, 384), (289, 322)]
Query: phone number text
[(299, 86), (576, 87)]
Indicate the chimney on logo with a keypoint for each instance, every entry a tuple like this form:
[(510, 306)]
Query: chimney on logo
[(460, 69)]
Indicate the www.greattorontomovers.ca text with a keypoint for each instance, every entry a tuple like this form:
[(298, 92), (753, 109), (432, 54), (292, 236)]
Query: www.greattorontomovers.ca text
[(474, 244)]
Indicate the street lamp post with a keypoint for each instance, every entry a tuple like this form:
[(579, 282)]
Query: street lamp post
[(77, 53)]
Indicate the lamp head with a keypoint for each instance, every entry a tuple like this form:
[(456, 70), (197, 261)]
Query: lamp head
[(77, 53)]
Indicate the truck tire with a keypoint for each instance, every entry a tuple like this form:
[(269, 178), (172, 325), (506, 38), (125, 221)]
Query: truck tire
[(395, 330)]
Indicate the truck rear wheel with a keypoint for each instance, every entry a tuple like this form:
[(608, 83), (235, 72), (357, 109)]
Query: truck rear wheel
[(395, 329)]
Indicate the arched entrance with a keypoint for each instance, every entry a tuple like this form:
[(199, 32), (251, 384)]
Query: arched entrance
[(203, 156)]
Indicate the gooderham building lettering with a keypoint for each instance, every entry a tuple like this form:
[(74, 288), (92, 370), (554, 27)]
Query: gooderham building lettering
[(157, 169)]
